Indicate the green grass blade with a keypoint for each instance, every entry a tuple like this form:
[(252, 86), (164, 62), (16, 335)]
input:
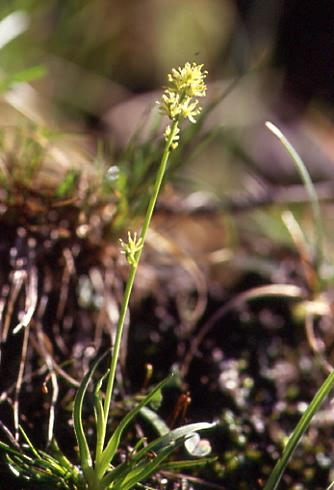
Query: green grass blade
[(309, 186), (186, 464), (173, 436), (144, 467), (114, 440), (60, 456), (30, 444), (85, 457), (99, 416), (297, 434), (11, 450), (141, 471)]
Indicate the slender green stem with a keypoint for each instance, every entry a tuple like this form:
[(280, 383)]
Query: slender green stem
[(130, 282), (157, 185), (299, 431)]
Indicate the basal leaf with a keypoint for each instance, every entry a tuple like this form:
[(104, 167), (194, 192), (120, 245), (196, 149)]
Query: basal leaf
[(175, 435), (114, 440), (85, 457)]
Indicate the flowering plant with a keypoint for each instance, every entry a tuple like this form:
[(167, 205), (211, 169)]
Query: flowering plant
[(97, 469)]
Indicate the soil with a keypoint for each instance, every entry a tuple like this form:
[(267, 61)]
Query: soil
[(248, 365)]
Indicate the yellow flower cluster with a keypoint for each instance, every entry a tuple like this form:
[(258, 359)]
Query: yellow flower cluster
[(179, 100), (185, 85), (131, 248), (189, 79)]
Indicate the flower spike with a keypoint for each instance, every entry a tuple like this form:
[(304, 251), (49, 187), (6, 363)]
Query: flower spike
[(180, 98)]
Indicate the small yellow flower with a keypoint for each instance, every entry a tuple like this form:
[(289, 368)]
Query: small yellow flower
[(188, 80), (185, 86), (189, 109), (170, 104), (131, 248)]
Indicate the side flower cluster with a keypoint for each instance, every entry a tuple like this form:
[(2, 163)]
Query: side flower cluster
[(180, 98), (131, 248)]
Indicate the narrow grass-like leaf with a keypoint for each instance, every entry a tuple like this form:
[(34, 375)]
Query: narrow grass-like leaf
[(136, 473), (60, 456), (85, 457), (30, 444), (43, 469), (114, 440), (180, 433), (11, 450), (99, 416), (141, 465), (298, 432), (186, 464), (309, 186)]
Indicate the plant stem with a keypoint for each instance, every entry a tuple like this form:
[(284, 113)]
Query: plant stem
[(299, 431), (131, 278)]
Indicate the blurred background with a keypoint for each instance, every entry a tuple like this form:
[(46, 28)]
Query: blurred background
[(105, 62), (99, 52)]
